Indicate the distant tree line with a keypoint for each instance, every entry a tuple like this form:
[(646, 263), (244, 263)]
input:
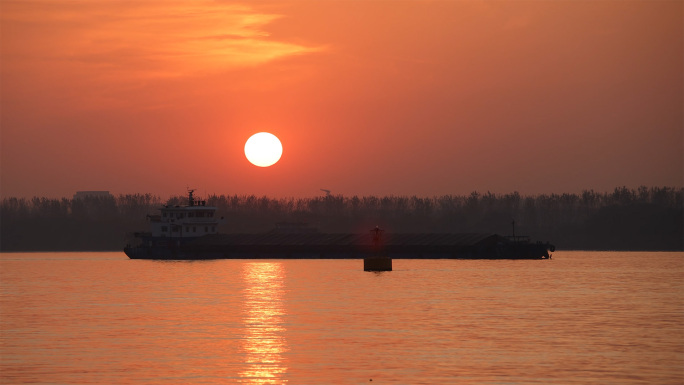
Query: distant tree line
[(90, 223), (625, 219)]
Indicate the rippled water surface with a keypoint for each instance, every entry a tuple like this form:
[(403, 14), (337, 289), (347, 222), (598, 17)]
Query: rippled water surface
[(580, 318)]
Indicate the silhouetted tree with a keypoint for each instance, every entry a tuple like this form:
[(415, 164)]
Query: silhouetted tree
[(640, 219)]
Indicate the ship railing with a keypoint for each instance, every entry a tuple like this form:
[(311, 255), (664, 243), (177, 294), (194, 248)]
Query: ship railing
[(518, 238)]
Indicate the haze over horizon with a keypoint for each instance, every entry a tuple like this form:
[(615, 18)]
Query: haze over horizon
[(367, 97)]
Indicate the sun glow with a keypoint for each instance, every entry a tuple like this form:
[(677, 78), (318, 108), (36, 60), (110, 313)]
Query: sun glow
[(263, 149)]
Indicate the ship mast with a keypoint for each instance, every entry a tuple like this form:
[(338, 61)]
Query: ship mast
[(191, 199)]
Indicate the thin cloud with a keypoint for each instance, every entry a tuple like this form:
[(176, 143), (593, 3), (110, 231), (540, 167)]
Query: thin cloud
[(166, 39)]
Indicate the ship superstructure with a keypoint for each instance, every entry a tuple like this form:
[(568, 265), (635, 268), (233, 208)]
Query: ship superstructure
[(174, 226), (194, 220)]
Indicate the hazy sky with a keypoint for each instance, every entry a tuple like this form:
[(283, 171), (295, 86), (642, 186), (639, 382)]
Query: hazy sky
[(367, 97)]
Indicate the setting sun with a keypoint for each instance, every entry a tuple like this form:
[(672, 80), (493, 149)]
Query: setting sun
[(263, 149)]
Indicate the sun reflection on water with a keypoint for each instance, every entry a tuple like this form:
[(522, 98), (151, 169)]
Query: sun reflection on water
[(264, 339)]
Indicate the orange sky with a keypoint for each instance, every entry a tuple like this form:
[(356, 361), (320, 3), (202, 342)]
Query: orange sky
[(367, 97)]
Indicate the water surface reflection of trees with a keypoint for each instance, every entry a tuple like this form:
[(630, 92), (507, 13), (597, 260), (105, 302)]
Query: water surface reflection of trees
[(625, 219)]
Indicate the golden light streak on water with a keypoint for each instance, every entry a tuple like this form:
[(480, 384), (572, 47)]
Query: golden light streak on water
[(264, 341)]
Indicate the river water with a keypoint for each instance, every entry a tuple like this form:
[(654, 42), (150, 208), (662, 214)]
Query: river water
[(579, 318)]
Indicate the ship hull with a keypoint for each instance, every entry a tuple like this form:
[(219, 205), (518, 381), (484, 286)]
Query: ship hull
[(338, 246)]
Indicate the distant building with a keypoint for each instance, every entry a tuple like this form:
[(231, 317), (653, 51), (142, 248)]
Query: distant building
[(92, 194)]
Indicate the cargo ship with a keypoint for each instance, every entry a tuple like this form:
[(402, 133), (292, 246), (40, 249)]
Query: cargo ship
[(187, 232)]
